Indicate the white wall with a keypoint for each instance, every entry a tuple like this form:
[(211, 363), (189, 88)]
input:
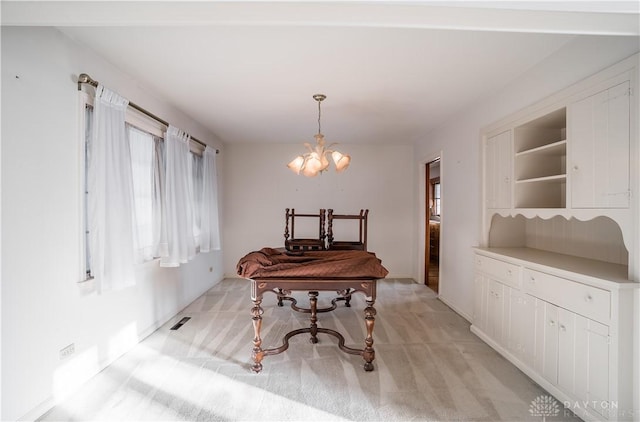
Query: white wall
[(44, 307), (459, 140), (259, 186)]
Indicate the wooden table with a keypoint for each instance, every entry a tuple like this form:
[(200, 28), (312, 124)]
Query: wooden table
[(283, 287)]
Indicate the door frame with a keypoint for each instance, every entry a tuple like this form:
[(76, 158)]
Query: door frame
[(422, 213)]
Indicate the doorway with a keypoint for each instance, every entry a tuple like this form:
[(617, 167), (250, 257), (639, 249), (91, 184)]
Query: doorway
[(433, 189)]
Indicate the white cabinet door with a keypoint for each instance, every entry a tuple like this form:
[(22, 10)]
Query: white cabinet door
[(492, 308), (498, 169), (597, 336), (516, 322), (568, 340), (599, 149), (480, 302), (572, 352), (583, 359), (547, 341), (528, 323), (496, 311), (521, 320)]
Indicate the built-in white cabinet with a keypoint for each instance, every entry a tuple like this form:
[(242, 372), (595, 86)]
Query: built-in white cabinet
[(567, 330), (498, 168), (600, 149), (558, 265), (582, 148)]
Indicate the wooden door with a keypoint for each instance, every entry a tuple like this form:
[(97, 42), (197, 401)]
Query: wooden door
[(427, 234), (431, 243)]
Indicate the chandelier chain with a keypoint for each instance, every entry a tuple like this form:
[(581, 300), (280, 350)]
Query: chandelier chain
[(319, 114)]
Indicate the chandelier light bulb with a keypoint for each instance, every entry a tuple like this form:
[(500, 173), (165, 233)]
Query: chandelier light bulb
[(341, 161), (296, 164)]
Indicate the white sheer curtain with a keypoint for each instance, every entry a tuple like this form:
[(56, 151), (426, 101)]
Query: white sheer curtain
[(178, 200), (142, 156), (160, 246), (209, 228), (111, 215), (196, 189)]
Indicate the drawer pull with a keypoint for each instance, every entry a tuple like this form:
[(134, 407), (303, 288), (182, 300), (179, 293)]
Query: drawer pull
[(552, 322), (532, 279), (562, 327), (588, 297)]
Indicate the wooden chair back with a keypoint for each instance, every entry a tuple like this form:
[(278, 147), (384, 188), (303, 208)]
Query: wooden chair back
[(360, 244), (292, 243)]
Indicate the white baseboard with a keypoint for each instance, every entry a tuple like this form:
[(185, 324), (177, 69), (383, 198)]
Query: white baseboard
[(456, 309)]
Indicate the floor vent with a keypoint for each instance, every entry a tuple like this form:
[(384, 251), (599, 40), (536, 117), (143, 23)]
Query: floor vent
[(181, 323)]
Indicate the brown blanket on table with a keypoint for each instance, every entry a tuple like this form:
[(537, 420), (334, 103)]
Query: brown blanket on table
[(272, 263)]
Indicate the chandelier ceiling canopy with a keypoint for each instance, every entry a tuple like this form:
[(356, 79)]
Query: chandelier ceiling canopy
[(315, 161)]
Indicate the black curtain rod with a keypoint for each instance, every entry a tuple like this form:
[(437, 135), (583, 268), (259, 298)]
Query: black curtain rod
[(86, 79)]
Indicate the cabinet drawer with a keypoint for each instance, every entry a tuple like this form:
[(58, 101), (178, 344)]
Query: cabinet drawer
[(499, 270), (588, 301)]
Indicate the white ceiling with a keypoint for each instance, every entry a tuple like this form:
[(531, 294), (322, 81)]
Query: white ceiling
[(391, 71)]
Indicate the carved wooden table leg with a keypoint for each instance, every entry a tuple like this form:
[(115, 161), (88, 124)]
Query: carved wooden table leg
[(368, 354), (313, 301), (280, 293), (347, 298), (257, 353)]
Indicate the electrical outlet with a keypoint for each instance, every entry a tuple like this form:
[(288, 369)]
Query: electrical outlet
[(65, 352)]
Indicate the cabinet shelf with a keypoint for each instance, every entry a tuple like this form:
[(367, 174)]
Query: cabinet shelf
[(545, 130), (543, 192), (556, 149), (558, 178), (540, 161)]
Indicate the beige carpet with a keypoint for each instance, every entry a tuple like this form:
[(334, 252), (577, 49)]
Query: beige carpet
[(428, 366)]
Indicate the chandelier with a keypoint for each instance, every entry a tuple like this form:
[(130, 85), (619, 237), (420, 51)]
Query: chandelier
[(315, 161)]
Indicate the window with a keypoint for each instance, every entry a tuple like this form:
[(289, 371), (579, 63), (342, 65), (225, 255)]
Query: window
[(435, 190), (147, 164)]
